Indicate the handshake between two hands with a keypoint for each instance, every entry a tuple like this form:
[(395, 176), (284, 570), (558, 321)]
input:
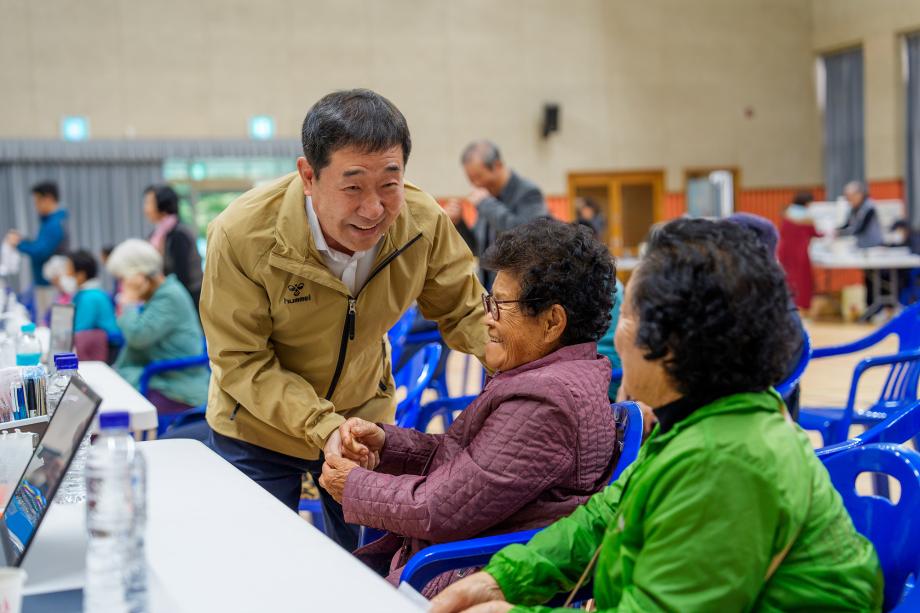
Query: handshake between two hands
[(355, 443)]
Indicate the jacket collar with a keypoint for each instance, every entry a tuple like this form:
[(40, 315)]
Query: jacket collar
[(581, 351), (295, 250), (680, 414)]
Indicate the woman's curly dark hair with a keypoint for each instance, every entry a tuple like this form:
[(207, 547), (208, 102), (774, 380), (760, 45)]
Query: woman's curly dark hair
[(714, 304), (559, 263)]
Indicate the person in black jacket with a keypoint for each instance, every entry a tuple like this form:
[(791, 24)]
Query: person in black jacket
[(503, 199), (174, 240)]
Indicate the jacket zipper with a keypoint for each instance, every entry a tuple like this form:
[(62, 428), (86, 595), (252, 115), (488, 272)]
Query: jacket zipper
[(351, 316)]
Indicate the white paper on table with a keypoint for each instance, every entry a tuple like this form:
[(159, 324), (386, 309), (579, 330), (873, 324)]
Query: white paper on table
[(414, 597), (10, 259)]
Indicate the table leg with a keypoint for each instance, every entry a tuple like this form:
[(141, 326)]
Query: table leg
[(895, 291)]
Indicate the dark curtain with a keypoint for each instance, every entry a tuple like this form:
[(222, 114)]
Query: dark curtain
[(844, 157)]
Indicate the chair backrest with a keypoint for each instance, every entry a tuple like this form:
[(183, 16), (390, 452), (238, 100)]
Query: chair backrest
[(907, 327), (628, 417), (892, 528), (899, 428), (416, 376), (398, 333), (900, 384), (788, 385)]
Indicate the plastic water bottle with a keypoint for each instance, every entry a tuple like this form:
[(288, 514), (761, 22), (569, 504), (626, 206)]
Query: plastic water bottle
[(73, 488), (65, 367), (116, 568), (28, 349)]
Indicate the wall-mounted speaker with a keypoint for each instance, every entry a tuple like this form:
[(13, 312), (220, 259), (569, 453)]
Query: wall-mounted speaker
[(550, 119)]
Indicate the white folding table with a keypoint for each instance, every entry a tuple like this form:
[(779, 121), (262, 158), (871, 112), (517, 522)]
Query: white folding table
[(217, 541), (874, 261), (119, 395)]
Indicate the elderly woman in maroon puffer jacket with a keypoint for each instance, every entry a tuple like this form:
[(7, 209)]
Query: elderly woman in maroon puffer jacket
[(538, 441)]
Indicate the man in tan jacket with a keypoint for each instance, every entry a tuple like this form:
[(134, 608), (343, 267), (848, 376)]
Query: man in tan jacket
[(303, 278)]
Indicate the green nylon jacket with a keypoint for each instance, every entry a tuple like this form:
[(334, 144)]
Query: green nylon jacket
[(695, 522)]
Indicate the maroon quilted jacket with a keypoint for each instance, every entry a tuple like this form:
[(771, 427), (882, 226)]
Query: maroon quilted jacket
[(538, 442)]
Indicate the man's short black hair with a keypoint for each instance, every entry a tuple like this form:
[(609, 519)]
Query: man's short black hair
[(358, 118), (46, 188), (712, 302), (83, 261), (166, 198)]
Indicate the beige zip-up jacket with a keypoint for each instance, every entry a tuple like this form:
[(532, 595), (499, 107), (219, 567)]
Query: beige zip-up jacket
[(293, 354)]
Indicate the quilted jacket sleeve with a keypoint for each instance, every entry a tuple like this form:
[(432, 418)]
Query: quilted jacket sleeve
[(523, 448), (406, 451)]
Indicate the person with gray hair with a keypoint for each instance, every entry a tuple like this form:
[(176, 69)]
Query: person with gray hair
[(862, 221), (503, 199), (166, 328)]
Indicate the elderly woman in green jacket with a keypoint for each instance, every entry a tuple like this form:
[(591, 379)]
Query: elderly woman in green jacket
[(727, 507), (159, 322)]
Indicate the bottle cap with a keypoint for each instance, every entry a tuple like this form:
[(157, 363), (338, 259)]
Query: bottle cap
[(66, 361), (28, 328), (114, 420)]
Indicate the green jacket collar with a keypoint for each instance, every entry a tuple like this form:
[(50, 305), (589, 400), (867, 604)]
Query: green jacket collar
[(748, 402)]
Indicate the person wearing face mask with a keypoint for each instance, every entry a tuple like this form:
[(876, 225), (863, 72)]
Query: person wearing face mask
[(159, 322), (93, 308), (537, 442), (304, 276), (55, 271)]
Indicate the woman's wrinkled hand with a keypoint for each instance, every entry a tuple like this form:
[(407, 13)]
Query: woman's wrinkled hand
[(362, 442), (477, 593), (335, 474)]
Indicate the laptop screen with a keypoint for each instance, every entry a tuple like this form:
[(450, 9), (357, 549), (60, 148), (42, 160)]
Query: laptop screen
[(62, 317), (36, 488)]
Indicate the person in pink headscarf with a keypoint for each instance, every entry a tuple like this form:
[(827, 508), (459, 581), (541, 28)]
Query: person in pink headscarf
[(175, 241)]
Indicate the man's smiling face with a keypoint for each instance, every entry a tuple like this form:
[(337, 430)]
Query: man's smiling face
[(357, 196)]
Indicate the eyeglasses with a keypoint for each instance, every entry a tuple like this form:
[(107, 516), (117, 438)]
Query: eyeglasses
[(490, 304)]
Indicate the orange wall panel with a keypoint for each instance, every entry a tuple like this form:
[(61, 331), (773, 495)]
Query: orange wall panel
[(887, 190)]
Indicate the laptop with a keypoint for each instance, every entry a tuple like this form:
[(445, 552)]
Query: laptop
[(35, 491), (62, 321)]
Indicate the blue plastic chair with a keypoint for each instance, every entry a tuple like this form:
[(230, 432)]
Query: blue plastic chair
[(161, 366), (911, 293), (439, 383), (785, 388), (900, 384), (899, 391), (443, 408), (432, 561), (892, 528), (899, 428), (399, 332), (415, 376)]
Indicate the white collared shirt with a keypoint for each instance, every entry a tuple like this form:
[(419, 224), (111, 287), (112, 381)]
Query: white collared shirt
[(352, 270)]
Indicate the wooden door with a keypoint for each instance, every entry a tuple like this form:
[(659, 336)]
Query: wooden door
[(630, 201)]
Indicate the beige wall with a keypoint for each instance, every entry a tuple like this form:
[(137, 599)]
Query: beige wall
[(650, 84), (876, 25)]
